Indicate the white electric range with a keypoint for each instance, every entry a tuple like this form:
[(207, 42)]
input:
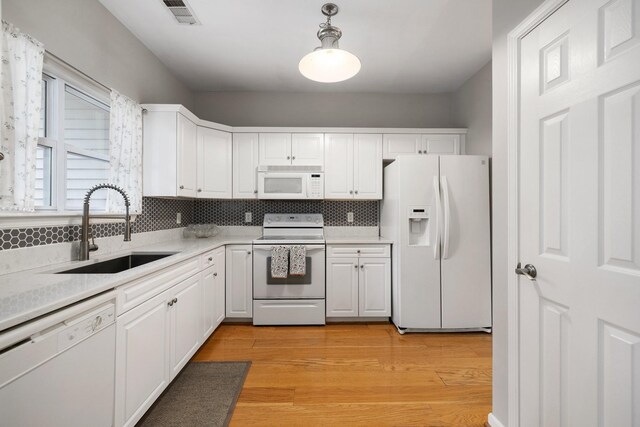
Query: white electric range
[(295, 300)]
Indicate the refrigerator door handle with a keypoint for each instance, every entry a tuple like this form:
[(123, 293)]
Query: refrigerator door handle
[(447, 218), (436, 243)]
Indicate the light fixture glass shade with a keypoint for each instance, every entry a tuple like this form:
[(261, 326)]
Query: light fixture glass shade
[(329, 65)]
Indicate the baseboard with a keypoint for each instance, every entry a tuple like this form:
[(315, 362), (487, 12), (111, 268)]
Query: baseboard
[(493, 421)]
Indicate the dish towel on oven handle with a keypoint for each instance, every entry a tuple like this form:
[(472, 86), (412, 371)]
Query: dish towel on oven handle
[(298, 260), (279, 262)]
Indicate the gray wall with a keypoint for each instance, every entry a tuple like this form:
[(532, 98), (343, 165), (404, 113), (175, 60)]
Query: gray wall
[(324, 109), (507, 14), (472, 109), (86, 35)]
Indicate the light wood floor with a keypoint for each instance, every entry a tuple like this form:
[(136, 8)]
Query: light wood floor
[(356, 374)]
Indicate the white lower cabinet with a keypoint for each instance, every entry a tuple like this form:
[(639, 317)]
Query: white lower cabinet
[(185, 311), (213, 292), (239, 281), (358, 286)]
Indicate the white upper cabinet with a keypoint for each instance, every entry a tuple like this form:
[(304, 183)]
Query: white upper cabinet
[(182, 159), (397, 144), (245, 165), (275, 149), (214, 164), (353, 166), (283, 149), (307, 149), (441, 144), (338, 172), (367, 166)]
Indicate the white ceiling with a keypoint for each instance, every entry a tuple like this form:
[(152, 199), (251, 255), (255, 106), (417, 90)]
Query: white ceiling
[(406, 46)]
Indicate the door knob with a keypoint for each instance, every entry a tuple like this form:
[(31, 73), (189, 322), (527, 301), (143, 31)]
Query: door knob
[(528, 271)]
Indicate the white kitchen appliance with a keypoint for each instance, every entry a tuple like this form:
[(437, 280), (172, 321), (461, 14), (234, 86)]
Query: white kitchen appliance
[(59, 370), (295, 300), (436, 211), (290, 182)]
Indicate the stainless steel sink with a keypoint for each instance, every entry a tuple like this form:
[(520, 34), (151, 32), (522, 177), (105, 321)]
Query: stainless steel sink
[(116, 265)]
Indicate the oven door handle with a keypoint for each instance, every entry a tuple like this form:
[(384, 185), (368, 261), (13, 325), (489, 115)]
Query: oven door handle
[(269, 247)]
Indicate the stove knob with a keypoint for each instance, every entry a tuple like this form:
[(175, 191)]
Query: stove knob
[(308, 218), (268, 221)]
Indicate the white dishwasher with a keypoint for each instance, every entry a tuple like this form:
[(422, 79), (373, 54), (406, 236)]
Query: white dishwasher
[(59, 370)]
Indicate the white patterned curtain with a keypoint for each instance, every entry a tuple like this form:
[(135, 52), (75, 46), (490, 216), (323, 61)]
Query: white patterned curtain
[(20, 104), (125, 151)]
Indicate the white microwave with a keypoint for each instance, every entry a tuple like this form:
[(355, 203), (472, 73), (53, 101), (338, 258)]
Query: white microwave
[(290, 182)]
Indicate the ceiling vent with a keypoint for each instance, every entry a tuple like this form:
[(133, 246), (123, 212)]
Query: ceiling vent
[(181, 11)]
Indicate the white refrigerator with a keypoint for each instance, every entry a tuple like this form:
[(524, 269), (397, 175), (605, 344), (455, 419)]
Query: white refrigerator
[(436, 211)]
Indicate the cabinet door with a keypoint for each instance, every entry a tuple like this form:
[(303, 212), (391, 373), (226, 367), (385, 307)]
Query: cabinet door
[(208, 286), (245, 165), (219, 287), (239, 281), (441, 144), (367, 166), (375, 287), (186, 323), (307, 149), (274, 149), (396, 144), (214, 164), (338, 172), (187, 177), (142, 352), (342, 287)]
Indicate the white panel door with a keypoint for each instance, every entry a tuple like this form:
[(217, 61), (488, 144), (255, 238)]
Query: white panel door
[(307, 149), (274, 149), (375, 287), (186, 323), (338, 172), (465, 266), (208, 286), (367, 166), (142, 353), (396, 144), (187, 177), (214, 164), (239, 281), (579, 208), (441, 144), (245, 165), (219, 286), (342, 287)]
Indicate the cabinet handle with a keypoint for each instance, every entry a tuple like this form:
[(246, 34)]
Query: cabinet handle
[(182, 187), (170, 303), (175, 300)]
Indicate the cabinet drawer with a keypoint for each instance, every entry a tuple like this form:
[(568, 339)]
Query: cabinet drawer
[(208, 259), (140, 290), (371, 251)]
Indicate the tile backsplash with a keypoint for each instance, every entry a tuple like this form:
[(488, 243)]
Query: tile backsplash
[(160, 214), (157, 214)]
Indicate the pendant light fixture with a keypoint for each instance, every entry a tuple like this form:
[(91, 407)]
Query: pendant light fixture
[(328, 63)]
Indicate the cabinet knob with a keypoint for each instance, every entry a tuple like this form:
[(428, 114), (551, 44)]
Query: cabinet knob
[(419, 151), (362, 266), (355, 266), (248, 252), (356, 191), (175, 300), (182, 187), (255, 191), (215, 274), (293, 158), (350, 191), (288, 157), (199, 190), (210, 258), (358, 251)]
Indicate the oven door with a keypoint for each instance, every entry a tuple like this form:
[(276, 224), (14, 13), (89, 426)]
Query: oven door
[(311, 285), (282, 185)]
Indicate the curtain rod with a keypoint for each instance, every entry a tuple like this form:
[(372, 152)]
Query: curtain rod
[(85, 75)]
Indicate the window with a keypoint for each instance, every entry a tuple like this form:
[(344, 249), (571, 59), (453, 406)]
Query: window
[(73, 148)]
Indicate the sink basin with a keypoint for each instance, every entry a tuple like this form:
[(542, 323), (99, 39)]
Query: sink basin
[(117, 265)]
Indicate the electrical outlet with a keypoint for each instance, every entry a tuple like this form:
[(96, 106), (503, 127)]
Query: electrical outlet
[(248, 217), (179, 218), (349, 216)]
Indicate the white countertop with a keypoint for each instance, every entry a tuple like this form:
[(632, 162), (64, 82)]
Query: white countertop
[(28, 294), (357, 240)]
